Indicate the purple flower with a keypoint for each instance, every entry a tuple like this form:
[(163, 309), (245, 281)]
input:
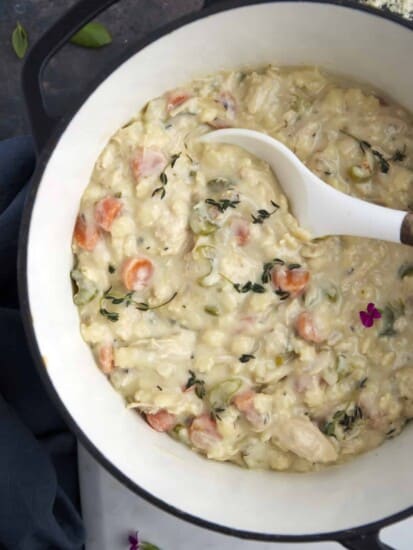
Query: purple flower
[(134, 541), (367, 317)]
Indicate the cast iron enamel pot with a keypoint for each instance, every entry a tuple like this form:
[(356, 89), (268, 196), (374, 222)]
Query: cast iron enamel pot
[(349, 503)]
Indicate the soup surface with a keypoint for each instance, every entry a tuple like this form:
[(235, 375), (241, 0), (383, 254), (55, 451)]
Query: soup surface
[(212, 312)]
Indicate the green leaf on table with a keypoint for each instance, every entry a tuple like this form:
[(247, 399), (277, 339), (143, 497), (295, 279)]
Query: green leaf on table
[(148, 546), (20, 41), (92, 35)]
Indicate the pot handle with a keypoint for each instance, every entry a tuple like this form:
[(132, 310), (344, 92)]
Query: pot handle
[(42, 125), (50, 42), (366, 541)]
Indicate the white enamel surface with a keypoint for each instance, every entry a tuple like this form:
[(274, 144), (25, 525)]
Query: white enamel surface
[(369, 488), (318, 207), (109, 510)]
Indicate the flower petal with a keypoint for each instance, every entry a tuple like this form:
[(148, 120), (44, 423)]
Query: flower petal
[(376, 314), (366, 319), (134, 541), (370, 308)]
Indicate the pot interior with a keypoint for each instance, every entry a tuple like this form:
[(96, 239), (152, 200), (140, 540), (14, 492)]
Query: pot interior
[(342, 39)]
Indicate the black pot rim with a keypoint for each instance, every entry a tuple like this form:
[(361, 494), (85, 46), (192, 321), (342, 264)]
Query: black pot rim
[(42, 161)]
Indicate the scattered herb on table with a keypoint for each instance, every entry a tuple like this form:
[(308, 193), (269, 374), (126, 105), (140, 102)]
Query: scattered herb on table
[(405, 270), (145, 545), (245, 357), (136, 544), (92, 35), (20, 41), (222, 204), (111, 268), (197, 383), (363, 382), (263, 215)]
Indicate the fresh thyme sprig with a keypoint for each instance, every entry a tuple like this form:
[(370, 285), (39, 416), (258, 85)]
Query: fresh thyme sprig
[(365, 146), (127, 300), (164, 178), (263, 215), (222, 204), (249, 286)]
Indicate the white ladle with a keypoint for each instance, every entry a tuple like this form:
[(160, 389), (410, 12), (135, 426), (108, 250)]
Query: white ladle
[(318, 207)]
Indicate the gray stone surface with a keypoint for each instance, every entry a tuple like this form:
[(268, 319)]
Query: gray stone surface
[(73, 68)]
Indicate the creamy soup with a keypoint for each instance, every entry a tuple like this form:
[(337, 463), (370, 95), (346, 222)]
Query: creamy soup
[(216, 316)]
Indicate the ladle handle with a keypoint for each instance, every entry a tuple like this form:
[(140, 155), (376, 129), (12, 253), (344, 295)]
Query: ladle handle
[(352, 216), (406, 231)]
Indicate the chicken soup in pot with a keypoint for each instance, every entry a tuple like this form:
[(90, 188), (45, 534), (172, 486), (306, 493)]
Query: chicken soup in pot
[(212, 311)]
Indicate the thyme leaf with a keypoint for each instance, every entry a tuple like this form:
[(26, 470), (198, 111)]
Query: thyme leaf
[(164, 178), (245, 357), (160, 190), (215, 413), (111, 315), (222, 204), (211, 310), (342, 418), (127, 300), (365, 146), (143, 306), (174, 158), (249, 286), (197, 383), (282, 294), (399, 155), (263, 215), (329, 429), (267, 268)]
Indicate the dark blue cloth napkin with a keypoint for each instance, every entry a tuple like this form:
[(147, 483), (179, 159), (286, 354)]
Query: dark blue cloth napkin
[(39, 497)]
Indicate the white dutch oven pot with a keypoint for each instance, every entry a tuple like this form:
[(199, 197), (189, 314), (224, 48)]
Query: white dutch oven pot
[(347, 503)]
